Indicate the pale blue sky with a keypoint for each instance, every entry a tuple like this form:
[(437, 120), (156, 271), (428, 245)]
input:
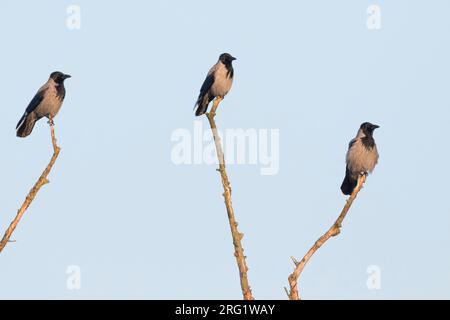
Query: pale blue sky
[(139, 226)]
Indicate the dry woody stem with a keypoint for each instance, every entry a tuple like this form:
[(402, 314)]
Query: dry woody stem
[(237, 236), (33, 192), (333, 231)]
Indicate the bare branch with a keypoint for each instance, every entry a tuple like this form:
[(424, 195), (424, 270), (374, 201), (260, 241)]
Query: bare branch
[(333, 231), (237, 236), (33, 192)]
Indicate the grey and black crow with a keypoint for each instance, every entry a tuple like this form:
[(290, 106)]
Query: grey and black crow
[(362, 156), (217, 83), (46, 103)]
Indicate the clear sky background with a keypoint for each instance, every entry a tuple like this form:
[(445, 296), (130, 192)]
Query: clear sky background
[(139, 226)]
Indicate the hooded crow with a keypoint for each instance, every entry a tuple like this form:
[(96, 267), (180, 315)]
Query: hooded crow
[(46, 103), (217, 83), (362, 156)]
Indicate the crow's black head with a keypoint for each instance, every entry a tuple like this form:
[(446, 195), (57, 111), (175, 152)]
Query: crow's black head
[(226, 58), (368, 128), (59, 77)]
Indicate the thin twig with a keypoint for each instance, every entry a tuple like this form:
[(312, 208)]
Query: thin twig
[(333, 231), (237, 236), (33, 192)]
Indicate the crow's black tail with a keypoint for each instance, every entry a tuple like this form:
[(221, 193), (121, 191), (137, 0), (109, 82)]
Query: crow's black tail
[(202, 104), (349, 183), (26, 125), (201, 109)]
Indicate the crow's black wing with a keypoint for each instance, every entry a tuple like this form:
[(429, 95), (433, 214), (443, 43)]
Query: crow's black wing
[(37, 99), (207, 84), (204, 98), (351, 143)]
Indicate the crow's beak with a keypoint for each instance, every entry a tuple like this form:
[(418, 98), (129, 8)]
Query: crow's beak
[(67, 76), (375, 126), (233, 58)]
